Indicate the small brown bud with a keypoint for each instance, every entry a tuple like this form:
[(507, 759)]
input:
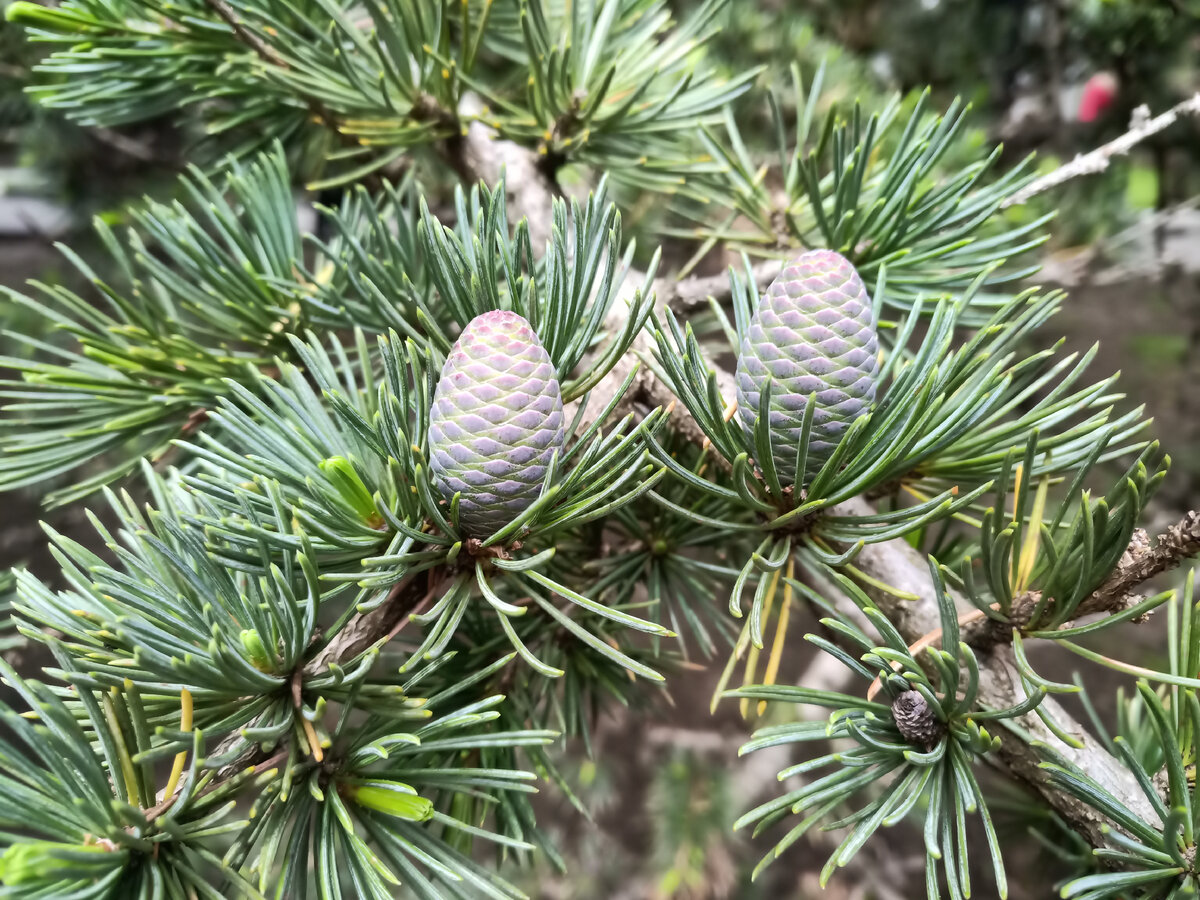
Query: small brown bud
[(916, 719)]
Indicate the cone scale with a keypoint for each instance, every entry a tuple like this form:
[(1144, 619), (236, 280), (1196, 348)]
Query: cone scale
[(812, 333), (496, 421)]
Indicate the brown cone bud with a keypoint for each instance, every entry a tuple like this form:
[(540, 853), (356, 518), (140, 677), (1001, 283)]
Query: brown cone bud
[(916, 719)]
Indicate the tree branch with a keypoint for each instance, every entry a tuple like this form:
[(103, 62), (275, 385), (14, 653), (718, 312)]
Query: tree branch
[(364, 630), (479, 155), (682, 295), (1000, 686), (899, 565), (647, 390), (1140, 562), (894, 563), (229, 16), (1096, 161)]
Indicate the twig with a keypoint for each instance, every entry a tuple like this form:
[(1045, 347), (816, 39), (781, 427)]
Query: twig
[(268, 54), (479, 155), (365, 630), (361, 632), (1097, 160), (647, 391), (119, 142), (245, 35), (900, 565), (682, 296), (259, 764), (1140, 562)]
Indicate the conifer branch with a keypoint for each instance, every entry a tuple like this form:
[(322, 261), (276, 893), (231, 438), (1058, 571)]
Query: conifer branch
[(900, 566), (368, 629), (1095, 161), (331, 472), (648, 390), (245, 35), (1000, 686), (479, 155), (685, 294), (1141, 561), (229, 16)]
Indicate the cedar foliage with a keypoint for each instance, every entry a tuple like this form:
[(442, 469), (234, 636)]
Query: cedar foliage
[(284, 667)]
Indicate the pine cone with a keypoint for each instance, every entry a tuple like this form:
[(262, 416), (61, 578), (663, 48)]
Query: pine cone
[(813, 331), (497, 419), (916, 720)]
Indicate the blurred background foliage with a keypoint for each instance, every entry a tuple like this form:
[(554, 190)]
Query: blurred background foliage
[(1126, 242)]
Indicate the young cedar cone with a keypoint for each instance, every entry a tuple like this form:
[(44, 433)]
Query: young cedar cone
[(497, 419), (915, 720), (813, 331)]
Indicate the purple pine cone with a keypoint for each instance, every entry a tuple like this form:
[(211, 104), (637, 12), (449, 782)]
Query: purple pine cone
[(813, 331), (497, 418)]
